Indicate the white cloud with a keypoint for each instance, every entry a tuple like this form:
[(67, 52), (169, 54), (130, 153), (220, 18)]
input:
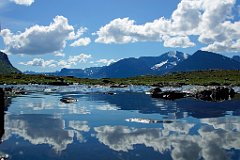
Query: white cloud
[(106, 61), (77, 37), (41, 39), (64, 64), (79, 58), (79, 33), (40, 63), (211, 20), (183, 42), (81, 42), (59, 54), (71, 61), (23, 2)]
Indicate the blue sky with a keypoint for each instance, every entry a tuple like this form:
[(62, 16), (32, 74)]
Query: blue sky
[(41, 35)]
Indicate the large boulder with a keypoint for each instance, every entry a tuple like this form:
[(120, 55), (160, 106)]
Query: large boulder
[(216, 94)]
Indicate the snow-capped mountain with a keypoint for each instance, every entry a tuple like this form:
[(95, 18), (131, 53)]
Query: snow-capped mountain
[(130, 67), (170, 60)]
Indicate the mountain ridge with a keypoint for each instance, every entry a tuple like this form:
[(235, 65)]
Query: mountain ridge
[(204, 60), (172, 61), (130, 67), (6, 66)]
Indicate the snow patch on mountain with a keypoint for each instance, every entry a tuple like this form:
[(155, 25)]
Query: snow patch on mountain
[(173, 63), (155, 67)]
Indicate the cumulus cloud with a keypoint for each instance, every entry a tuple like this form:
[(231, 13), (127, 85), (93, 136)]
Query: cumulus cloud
[(77, 37), (78, 34), (79, 58), (211, 21), (71, 61), (23, 2), (183, 42), (59, 54), (106, 61), (41, 39), (39, 62), (81, 42)]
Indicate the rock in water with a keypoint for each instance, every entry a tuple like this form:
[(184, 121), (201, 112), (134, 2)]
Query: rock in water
[(217, 94), (155, 91), (170, 95), (68, 100)]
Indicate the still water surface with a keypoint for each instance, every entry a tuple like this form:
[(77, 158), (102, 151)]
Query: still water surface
[(129, 125)]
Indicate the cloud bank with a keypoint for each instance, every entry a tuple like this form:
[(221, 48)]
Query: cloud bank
[(212, 21), (38, 40), (71, 61)]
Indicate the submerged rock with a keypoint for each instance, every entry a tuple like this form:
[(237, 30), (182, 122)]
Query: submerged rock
[(68, 100)]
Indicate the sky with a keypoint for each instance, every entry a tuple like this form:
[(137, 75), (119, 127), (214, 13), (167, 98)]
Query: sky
[(47, 35)]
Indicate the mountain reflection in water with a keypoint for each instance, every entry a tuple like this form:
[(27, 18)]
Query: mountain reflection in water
[(120, 126)]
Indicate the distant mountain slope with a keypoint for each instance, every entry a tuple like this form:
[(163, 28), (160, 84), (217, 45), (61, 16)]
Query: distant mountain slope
[(236, 58), (80, 73), (5, 65), (130, 67), (71, 72), (203, 60)]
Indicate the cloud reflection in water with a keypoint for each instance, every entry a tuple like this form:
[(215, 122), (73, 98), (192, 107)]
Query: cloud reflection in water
[(45, 129), (210, 143)]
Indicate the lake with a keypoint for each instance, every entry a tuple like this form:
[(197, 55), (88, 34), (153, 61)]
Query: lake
[(128, 125)]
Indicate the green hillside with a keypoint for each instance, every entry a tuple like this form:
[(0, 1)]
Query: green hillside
[(5, 65)]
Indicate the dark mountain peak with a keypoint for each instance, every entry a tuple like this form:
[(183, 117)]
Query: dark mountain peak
[(3, 56), (6, 66), (204, 60)]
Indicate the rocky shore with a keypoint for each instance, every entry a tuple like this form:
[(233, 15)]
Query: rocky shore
[(214, 94)]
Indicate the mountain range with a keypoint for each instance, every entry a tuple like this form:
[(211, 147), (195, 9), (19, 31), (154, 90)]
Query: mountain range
[(130, 67), (6, 66), (172, 61)]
